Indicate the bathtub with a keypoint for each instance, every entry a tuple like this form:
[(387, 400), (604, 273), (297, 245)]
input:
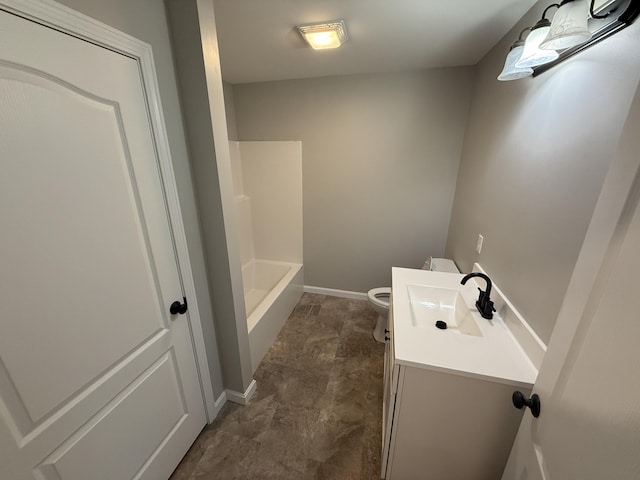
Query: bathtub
[(271, 291)]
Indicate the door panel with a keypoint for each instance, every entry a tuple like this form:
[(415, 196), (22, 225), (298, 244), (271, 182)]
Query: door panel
[(90, 453), (589, 422), (588, 383), (89, 164), (36, 439), (97, 380), (595, 405)]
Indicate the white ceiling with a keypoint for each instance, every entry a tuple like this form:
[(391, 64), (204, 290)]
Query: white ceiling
[(258, 41)]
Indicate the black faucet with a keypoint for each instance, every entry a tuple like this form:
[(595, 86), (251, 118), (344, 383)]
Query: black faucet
[(484, 303)]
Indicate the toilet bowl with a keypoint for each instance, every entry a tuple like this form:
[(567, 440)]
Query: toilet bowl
[(379, 297), (379, 301)]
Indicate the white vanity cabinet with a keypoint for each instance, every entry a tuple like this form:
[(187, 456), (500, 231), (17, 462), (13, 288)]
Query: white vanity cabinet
[(442, 423), (443, 426)]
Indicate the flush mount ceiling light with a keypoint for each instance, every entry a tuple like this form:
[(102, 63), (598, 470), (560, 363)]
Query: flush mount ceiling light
[(324, 35)]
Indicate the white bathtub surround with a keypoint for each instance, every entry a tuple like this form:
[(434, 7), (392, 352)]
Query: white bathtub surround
[(244, 216), (267, 180), (271, 313), (336, 293), (270, 175)]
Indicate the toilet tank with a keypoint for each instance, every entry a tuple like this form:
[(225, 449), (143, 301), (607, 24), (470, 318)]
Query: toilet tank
[(436, 264)]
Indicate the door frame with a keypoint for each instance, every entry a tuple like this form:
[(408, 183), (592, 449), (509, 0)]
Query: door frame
[(64, 19)]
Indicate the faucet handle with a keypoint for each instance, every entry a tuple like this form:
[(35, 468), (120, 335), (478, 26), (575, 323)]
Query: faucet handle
[(489, 307), (485, 307), (488, 310)]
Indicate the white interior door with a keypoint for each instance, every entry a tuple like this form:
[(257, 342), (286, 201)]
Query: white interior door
[(97, 379), (589, 425)]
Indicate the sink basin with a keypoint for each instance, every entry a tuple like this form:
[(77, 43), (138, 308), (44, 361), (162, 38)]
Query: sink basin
[(430, 304)]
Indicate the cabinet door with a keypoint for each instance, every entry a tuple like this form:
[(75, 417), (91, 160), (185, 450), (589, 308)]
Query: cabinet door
[(391, 371), (451, 427)]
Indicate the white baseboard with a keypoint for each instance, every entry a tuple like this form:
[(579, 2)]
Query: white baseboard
[(242, 398), (335, 293)]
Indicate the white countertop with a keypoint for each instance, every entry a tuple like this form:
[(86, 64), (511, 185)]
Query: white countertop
[(494, 356)]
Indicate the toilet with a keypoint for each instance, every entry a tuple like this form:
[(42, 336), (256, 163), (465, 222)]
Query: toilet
[(379, 297)]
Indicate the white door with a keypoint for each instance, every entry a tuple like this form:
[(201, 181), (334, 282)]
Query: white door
[(97, 379), (589, 382)]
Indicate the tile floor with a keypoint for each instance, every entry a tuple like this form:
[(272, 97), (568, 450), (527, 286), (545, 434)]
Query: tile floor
[(317, 411)]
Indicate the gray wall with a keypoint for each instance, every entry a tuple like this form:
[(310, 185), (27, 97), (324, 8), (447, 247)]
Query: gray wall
[(195, 43), (146, 20), (380, 157), (535, 155)]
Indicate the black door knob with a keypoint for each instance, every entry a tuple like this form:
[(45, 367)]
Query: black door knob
[(520, 401), (178, 308)]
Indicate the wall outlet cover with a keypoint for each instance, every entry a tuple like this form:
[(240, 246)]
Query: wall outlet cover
[(479, 244)]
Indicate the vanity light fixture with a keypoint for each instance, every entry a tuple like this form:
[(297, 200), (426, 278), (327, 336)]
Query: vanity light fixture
[(325, 35), (569, 26), (533, 55), (551, 42), (510, 71)]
